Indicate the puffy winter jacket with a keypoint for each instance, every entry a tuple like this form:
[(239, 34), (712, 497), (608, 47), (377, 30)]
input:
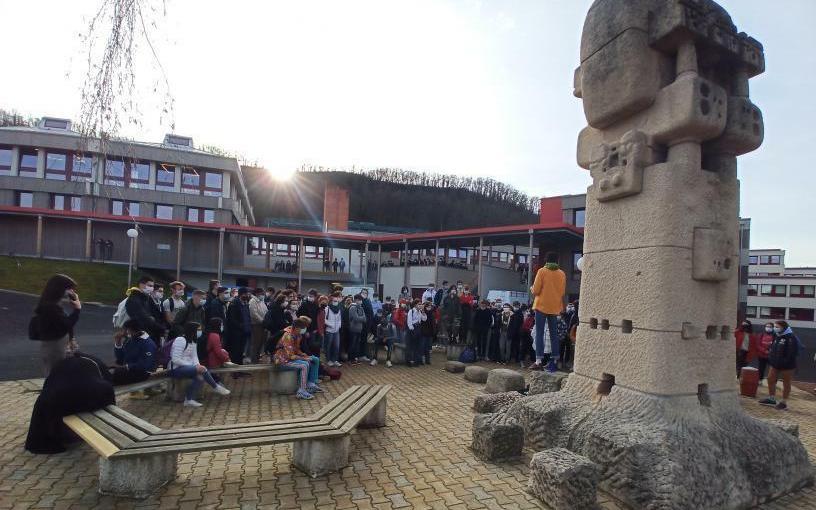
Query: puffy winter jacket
[(334, 320), (357, 318)]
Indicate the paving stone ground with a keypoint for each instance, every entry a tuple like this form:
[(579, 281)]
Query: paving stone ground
[(420, 460)]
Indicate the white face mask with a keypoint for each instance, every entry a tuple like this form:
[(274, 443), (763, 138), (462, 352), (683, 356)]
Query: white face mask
[(159, 295), (199, 333), (180, 293), (769, 330), (302, 331), (335, 302), (310, 299)]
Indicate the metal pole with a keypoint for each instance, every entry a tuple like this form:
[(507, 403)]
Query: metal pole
[(530, 262), (220, 253), (479, 280), (405, 272), (88, 241), (364, 265), (178, 256), (300, 265), (268, 253), (39, 235), (379, 264), (130, 264), (436, 263)]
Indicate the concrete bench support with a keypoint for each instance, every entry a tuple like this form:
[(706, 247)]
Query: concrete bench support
[(375, 418), (136, 477), (176, 389), (318, 457), (283, 381)]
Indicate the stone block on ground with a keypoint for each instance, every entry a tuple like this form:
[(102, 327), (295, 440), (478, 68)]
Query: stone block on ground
[(496, 438), (545, 382), (455, 367), (564, 480), (786, 426), (495, 402), (477, 374), (501, 380)]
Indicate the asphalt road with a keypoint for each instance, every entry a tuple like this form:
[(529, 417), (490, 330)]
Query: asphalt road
[(20, 359), (94, 333)]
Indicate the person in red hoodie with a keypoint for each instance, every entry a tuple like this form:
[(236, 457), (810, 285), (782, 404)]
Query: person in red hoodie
[(746, 343), (764, 342), (400, 319), (211, 354)]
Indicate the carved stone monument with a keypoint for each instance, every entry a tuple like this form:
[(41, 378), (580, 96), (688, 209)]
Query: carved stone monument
[(653, 398)]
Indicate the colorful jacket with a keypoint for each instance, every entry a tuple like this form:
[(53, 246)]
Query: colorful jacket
[(288, 347)]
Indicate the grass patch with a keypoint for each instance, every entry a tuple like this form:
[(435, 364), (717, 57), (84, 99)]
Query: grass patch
[(104, 283)]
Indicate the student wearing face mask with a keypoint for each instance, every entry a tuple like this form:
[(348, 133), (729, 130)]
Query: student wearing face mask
[(51, 325), (135, 354), (257, 312), (482, 322), (333, 323), (405, 294), (745, 343), (210, 350), (184, 364), (416, 316), (275, 321), (514, 333), (451, 310), (782, 360), (157, 307), (288, 354), (400, 320), (764, 342), (238, 326), (310, 308), (428, 330), (140, 307), (357, 325), (217, 307), (174, 302), (193, 311)]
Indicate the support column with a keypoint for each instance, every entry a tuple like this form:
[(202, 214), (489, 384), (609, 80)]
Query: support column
[(379, 269), (350, 262), (364, 265), (39, 235), (530, 262), (436, 263), (220, 253), (40, 164), (178, 255), (489, 255), (88, 241), (405, 273), (15, 161), (479, 279), (300, 265), (268, 254)]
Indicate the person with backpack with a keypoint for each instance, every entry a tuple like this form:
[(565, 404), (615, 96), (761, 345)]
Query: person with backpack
[(174, 303), (135, 354), (289, 354), (210, 352), (333, 320), (50, 325), (764, 342), (184, 364), (193, 311), (782, 360), (141, 308), (357, 324)]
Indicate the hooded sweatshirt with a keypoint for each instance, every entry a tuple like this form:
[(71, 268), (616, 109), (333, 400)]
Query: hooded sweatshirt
[(548, 289), (783, 351)]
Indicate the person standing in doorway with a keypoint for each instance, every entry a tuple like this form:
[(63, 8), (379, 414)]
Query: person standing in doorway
[(548, 290), (335, 265)]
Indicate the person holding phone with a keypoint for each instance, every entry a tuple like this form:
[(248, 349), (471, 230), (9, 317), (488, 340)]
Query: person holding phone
[(51, 325)]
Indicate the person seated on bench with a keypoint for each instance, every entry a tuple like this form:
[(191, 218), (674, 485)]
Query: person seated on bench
[(184, 364), (135, 353), (288, 354), (386, 336), (211, 353)]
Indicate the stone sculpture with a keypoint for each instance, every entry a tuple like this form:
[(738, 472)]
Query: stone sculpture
[(653, 399)]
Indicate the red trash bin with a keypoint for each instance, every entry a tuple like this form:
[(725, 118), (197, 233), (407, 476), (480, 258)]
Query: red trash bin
[(749, 381)]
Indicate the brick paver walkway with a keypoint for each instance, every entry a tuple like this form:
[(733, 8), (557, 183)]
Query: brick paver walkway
[(420, 460)]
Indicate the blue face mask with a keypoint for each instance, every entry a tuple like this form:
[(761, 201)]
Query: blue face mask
[(777, 330)]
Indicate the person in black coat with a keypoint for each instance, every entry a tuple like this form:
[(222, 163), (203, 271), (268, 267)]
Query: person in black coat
[(51, 325), (238, 326), (482, 320), (217, 306), (275, 321), (139, 307), (77, 384), (514, 332)]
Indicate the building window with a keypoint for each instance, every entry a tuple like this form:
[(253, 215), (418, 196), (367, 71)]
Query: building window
[(129, 174), (776, 259), (190, 181), (56, 166), (139, 175), (25, 199), (772, 312), (773, 290), (28, 162), (66, 203), (752, 289), (772, 260), (196, 215), (5, 161), (81, 168), (800, 314), (164, 212), (122, 208), (115, 172), (753, 260), (750, 311), (806, 291), (213, 184), (579, 217), (165, 177), (209, 216)]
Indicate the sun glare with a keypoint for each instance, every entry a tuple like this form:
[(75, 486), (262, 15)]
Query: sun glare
[(283, 175)]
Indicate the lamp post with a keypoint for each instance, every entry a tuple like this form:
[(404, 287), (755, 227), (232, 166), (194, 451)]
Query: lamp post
[(132, 233)]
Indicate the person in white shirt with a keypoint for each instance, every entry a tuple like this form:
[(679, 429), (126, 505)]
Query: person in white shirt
[(257, 312), (175, 303), (429, 293), (416, 315), (334, 320), (184, 364)]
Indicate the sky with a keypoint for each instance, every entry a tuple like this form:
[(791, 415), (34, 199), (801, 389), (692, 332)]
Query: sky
[(477, 88)]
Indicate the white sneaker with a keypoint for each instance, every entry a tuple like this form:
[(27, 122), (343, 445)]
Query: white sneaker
[(337, 364), (373, 362), (331, 364), (364, 358), (192, 403), (221, 390), (388, 363), (247, 360), (230, 364)]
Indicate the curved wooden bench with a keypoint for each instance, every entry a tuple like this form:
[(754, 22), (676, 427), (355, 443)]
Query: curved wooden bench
[(136, 457)]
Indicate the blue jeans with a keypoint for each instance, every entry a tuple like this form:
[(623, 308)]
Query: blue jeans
[(331, 345), (543, 320), (354, 345), (308, 370), (427, 342), (190, 372)]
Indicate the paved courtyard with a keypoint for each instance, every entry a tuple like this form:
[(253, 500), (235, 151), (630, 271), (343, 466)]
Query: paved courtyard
[(420, 460)]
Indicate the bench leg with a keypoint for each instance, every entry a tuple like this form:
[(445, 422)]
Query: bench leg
[(318, 457), (375, 418), (136, 477), (283, 381), (176, 389)]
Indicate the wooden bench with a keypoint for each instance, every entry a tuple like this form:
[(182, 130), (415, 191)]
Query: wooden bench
[(136, 457), (282, 380)]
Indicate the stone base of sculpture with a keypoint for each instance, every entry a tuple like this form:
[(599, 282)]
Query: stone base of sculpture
[(686, 452)]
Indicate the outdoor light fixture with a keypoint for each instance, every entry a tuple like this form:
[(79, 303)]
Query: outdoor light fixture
[(132, 233)]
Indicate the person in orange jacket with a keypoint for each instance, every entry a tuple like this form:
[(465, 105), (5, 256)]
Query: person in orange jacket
[(548, 291), (746, 344)]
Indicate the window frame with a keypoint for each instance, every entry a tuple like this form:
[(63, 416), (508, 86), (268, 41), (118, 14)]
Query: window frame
[(200, 215), (753, 260), (753, 287), (69, 172), (18, 199), (751, 311), (803, 293), (161, 168), (773, 291), (126, 180), (24, 169), (156, 211), (6, 169), (127, 208), (68, 200), (770, 315), (809, 318), (575, 217)]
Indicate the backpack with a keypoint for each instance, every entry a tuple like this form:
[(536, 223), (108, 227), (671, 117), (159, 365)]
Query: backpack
[(121, 315), (333, 373), (165, 354), (467, 356)]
